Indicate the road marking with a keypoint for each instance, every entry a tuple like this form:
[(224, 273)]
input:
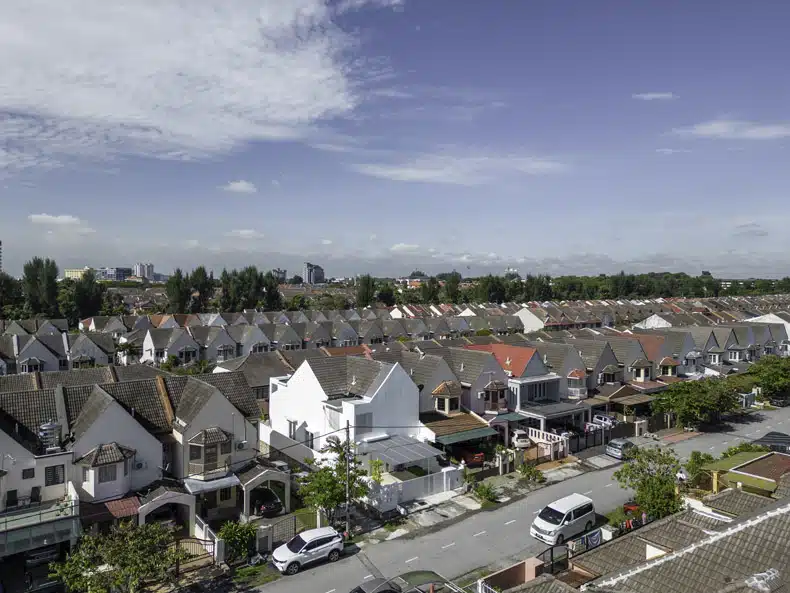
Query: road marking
[(370, 576), (712, 448), (724, 442), (511, 521), (331, 591), (536, 512), (748, 434), (448, 546), (479, 533), (409, 560), (610, 484), (588, 492)]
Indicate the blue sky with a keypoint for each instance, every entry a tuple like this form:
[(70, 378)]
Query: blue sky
[(383, 135)]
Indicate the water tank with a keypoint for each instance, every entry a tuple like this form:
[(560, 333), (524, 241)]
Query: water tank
[(49, 433)]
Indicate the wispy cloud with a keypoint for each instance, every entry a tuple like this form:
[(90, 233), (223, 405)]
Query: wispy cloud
[(225, 74), (460, 169), (240, 187), (654, 96), (62, 224), (730, 129), (404, 248), (750, 230), (671, 150), (248, 234), (326, 241)]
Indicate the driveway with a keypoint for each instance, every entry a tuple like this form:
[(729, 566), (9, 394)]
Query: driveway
[(499, 537)]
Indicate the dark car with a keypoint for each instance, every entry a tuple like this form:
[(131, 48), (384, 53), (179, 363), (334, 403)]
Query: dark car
[(377, 586), (267, 503)]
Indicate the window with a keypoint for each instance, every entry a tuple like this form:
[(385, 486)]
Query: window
[(63, 363), (364, 423), (29, 473), (224, 448), (608, 377), (454, 404), (195, 452), (259, 347), (441, 404), (107, 473), (126, 463), (54, 475), (309, 439), (159, 353), (292, 429), (85, 474), (210, 454), (224, 494)]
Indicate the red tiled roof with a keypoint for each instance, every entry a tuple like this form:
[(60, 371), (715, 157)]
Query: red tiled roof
[(669, 361), (651, 345), (123, 507), (772, 466), (511, 358), (362, 350), (577, 374), (669, 379)]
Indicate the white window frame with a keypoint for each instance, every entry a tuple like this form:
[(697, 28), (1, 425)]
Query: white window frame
[(108, 473)]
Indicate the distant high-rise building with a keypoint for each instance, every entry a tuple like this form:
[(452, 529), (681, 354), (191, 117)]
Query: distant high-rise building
[(313, 274), (1, 256), (75, 273), (281, 275), (146, 271), (113, 274)]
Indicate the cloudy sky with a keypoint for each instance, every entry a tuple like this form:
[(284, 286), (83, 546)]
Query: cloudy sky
[(383, 135)]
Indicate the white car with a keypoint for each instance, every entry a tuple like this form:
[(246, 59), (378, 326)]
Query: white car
[(313, 545), (604, 420), (520, 439), (564, 519)]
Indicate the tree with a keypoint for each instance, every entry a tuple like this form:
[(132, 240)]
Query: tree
[(203, 285), (178, 292), (652, 472), (11, 296), (272, 299), (225, 300), (743, 448), (40, 287), (296, 279), (452, 284), (324, 488), (67, 302), (88, 295), (386, 295), (128, 556), (297, 303), (112, 304), (418, 274), (239, 539), (491, 289), (366, 290), (429, 291), (773, 375), (695, 464), (694, 402)]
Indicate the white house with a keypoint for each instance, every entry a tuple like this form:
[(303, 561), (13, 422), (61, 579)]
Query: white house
[(159, 344)]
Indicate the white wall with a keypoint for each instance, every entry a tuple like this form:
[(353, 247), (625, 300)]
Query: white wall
[(301, 399), (117, 425), (531, 321), (441, 373), (222, 339), (218, 411), (476, 404), (24, 459), (655, 321)]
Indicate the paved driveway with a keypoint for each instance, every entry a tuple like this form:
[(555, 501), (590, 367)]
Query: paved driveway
[(499, 537)]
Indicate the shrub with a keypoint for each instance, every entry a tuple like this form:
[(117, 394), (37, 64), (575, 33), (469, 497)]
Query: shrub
[(239, 539), (531, 474), (485, 492)]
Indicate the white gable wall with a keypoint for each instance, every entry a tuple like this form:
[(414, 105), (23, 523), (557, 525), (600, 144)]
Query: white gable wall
[(301, 400), (531, 321)]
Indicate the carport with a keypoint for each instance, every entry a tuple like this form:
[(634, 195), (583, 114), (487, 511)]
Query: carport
[(573, 412), (165, 495), (259, 473)]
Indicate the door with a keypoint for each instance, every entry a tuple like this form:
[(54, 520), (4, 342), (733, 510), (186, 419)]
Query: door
[(310, 551)]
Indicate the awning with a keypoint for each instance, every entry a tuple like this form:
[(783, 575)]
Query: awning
[(633, 400), (197, 486), (398, 450), (466, 435), (509, 417)]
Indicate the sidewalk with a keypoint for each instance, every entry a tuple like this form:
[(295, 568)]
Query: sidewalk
[(439, 509)]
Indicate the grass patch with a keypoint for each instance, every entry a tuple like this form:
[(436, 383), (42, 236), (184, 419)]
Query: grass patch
[(417, 471), (393, 525), (307, 519), (255, 576), (487, 504)]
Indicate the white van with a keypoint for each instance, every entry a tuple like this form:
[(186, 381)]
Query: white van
[(563, 519)]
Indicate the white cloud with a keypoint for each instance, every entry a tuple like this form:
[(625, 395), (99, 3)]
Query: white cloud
[(654, 96), (404, 248), (326, 241), (671, 150), (373, 237), (59, 220), (191, 243), (730, 129), (461, 169), (172, 80), (240, 187), (248, 234)]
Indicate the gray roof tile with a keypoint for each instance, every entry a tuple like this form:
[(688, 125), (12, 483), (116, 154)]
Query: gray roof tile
[(106, 454), (341, 376)]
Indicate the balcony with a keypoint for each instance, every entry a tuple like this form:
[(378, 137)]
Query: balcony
[(40, 525), (209, 469)]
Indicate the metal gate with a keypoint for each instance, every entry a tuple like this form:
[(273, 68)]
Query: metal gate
[(284, 530), (200, 553)]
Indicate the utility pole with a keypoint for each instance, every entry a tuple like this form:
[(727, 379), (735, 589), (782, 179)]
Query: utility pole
[(348, 476)]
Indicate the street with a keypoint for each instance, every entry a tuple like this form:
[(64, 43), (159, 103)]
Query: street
[(499, 537)]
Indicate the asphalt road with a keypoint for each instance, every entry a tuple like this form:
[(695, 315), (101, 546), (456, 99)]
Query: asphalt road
[(499, 537)]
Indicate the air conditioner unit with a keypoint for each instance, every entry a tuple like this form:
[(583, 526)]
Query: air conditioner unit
[(241, 445), (140, 465), (481, 394)]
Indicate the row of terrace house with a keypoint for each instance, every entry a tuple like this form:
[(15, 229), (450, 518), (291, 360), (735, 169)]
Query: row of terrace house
[(84, 449)]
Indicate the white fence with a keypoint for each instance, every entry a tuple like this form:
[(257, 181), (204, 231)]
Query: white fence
[(204, 532), (385, 497)]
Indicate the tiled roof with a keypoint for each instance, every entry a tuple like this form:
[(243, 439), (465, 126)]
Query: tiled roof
[(31, 409), (123, 507), (720, 562), (466, 364), (419, 367), (51, 379), (448, 388), (701, 520), (340, 377), (211, 436), (135, 372), (141, 399), (95, 405), (155, 491), (511, 358), (545, 583), (106, 454), (258, 368), (232, 385), (13, 383), (194, 396), (442, 425), (736, 502), (772, 466)]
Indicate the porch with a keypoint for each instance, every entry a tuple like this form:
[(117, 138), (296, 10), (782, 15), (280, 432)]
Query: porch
[(560, 415), (261, 474), (170, 504)]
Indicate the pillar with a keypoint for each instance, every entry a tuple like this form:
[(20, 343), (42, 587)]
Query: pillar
[(246, 501), (543, 424), (288, 494)]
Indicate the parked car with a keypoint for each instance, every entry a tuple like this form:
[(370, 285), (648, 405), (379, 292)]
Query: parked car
[(591, 426), (308, 547), (779, 402), (563, 519), (619, 448), (267, 503), (519, 438), (605, 420), (377, 586), (470, 457)]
